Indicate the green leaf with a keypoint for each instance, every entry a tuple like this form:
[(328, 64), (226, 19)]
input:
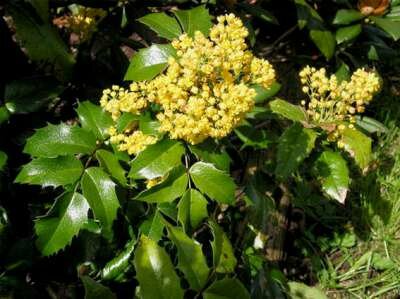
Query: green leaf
[(30, 94), (153, 227), (155, 272), (110, 163), (306, 14), (347, 33), (295, 144), (333, 171), (56, 230), (288, 110), (4, 114), (118, 265), (264, 94), (343, 72), (259, 12), (195, 19), (211, 152), (298, 290), (95, 290), (224, 259), (125, 121), (324, 40), (391, 27), (347, 16), (59, 140), (358, 146), (164, 25), (157, 159), (41, 41), (149, 62), (227, 288), (94, 119), (191, 260), (370, 125), (171, 188), (252, 137), (3, 160), (217, 184), (99, 190), (192, 209), (51, 171)]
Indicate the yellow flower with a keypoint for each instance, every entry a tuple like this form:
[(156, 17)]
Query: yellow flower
[(132, 142)]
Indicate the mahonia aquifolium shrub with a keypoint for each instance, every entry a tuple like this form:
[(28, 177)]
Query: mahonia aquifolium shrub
[(205, 91)]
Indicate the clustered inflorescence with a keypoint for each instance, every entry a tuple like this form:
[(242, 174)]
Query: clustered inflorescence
[(334, 102), (204, 92)]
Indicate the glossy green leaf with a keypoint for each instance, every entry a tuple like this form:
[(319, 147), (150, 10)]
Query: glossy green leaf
[(347, 33), (306, 14), (209, 151), (192, 209), (216, 184), (171, 188), (125, 121), (164, 25), (149, 62), (56, 230), (53, 172), (264, 94), (370, 125), (298, 290), (95, 290), (3, 160), (347, 16), (153, 227), (155, 272), (195, 19), (295, 144), (324, 40), (227, 288), (118, 265), (288, 110), (109, 162), (4, 114), (343, 72), (99, 190), (390, 26), (157, 159), (334, 174), (252, 137), (94, 119), (224, 259), (60, 140), (191, 260), (358, 146), (30, 94)]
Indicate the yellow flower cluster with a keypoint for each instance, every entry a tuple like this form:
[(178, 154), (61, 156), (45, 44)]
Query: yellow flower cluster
[(131, 141), (333, 102), (205, 90)]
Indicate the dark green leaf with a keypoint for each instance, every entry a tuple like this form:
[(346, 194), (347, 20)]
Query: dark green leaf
[(391, 27), (209, 151), (358, 146), (227, 288), (265, 94), (4, 114), (217, 184), (59, 140), (30, 94), (110, 163), (94, 119), (164, 25), (118, 265), (191, 260), (252, 137), (306, 14), (157, 159), (99, 190), (155, 272), (171, 188), (347, 33), (288, 110), (324, 40), (343, 72), (125, 121), (333, 171), (259, 12), (62, 223), (51, 171), (224, 259), (195, 19), (149, 62), (95, 290), (3, 160), (347, 16), (192, 209), (294, 146)]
